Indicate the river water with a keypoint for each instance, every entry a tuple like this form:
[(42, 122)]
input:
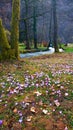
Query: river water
[(28, 55)]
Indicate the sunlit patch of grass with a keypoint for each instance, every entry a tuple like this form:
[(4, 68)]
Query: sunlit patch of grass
[(69, 49)]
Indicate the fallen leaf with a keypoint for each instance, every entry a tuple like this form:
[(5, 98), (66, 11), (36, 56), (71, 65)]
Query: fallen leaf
[(45, 111), (29, 118), (15, 110), (33, 109)]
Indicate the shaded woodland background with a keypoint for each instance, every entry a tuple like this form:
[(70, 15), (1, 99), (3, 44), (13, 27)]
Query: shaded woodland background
[(43, 13)]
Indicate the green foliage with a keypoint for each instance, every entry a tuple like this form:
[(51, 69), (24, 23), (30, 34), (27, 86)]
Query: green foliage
[(15, 26)]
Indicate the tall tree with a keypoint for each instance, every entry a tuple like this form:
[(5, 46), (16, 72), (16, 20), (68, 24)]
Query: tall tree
[(4, 45), (50, 30), (34, 24), (15, 26), (26, 25), (54, 5)]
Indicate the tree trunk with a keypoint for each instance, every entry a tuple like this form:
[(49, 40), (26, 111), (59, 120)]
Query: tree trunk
[(26, 36), (50, 31), (15, 27), (55, 25), (26, 26), (34, 26)]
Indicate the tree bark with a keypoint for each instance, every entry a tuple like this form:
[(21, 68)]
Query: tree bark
[(55, 25), (26, 26), (34, 25)]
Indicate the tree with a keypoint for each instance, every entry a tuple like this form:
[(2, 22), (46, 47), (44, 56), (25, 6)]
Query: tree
[(8, 34), (26, 25), (55, 25), (4, 45), (50, 30), (15, 26), (34, 25), (30, 6), (32, 12)]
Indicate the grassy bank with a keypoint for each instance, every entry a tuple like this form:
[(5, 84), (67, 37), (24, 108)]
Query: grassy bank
[(68, 48), (37, 95), (22, 49)]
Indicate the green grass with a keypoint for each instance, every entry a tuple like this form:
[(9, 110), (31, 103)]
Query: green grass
[(50, 76), (22, 49), (68, 48)]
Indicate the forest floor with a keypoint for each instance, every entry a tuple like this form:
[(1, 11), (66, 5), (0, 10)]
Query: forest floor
[(37, 93)]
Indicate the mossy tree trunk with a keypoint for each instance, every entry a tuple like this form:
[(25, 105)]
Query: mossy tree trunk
[(15, 27), (4, 45)]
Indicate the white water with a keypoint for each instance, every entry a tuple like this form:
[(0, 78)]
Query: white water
[(50, 51)]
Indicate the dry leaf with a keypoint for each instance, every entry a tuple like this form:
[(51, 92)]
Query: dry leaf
[(15, 110), (32, 109), (45, 111), (38, 93), (29, 118)]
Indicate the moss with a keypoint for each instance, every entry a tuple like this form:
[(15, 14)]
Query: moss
[(4, 45), (3, 39), (15, 26), (8, 34)]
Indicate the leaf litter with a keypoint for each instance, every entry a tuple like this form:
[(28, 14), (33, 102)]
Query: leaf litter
[(37, 94)]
